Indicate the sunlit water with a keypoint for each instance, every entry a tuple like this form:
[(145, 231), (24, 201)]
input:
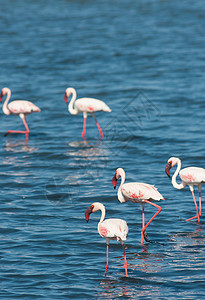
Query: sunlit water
[(146, 60)]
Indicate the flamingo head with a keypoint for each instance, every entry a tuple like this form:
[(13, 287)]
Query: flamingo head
[(68, 92), (65, 97), (118, 174), (89, 211), (4, 91), (171, 162)]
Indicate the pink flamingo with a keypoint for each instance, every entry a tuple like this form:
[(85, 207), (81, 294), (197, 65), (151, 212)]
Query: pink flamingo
[(21, 108), (137, 192), (85, 105), (110, 229), (190, 176)]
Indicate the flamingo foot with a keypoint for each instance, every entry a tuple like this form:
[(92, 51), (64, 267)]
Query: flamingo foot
[(101, 133), (146, 238), (106, 270), (142, 237), (197, 216), (125, 266), (17, 131)]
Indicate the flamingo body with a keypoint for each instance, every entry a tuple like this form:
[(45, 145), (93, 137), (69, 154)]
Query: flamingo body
[(85, 106), (110, 229), (22, 108), (91, 105), (137, 192), (113, 229), (191, 176)]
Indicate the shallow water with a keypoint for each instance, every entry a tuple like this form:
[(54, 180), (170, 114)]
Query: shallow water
[(146, 60)]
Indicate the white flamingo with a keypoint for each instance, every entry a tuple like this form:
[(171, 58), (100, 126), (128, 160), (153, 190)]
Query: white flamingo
[(110, 229), (85, 106), (137, 192), (191, 176), (21, 108)]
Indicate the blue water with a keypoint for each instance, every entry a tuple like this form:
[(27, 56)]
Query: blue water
[(146, 60)]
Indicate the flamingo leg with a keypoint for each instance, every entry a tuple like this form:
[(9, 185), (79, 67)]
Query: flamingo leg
[(199, 187), (125, 265), (98, 125), (21, 131), (143, 233), (143, 223), (197, 212), (107, 260), (84, 126)]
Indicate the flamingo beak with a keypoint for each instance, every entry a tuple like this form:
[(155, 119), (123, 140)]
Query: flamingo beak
[(65, 98), (167, 168), (88, 212), (1, 96), (114, 181)]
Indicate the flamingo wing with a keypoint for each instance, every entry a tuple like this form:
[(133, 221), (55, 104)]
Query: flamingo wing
[(114, 229), (192, 175), (137, 192), (91, 105), (22, 106)]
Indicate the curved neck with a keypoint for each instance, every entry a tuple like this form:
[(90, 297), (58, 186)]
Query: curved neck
[(8, 96), (174, 183), (119, 193), (100, 206), (71, 107)]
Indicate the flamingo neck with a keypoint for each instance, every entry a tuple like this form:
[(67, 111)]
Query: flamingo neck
[(102, 215), (71, 107), (174, 183), (99, 206), (119, 193), (5, 108)]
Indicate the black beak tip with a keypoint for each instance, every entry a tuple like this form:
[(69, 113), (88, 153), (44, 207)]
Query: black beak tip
[(114, 187)]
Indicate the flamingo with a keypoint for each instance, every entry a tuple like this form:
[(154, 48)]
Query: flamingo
[(190, 176), (137, 192), (21, 108), (110, 229), (85, 105)]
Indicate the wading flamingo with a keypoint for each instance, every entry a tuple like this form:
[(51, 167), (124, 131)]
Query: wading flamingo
[(110, 229), (20, 108), (190, 176), (85, 105), (137, 192)]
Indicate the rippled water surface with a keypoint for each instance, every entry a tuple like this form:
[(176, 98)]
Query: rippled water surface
[(146, 60)]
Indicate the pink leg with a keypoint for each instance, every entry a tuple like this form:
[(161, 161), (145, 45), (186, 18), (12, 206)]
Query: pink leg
[(84, 127), (107, 260), (199, 187), (99, 128), (197, 213), (27, 129), (143, 224), (20, 131), (125, 265), (144, 227)]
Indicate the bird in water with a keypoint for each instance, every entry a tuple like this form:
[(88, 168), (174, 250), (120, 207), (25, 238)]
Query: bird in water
[(110, 229), (191, 176), (137, 192), (21, 108), (85, 106)]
